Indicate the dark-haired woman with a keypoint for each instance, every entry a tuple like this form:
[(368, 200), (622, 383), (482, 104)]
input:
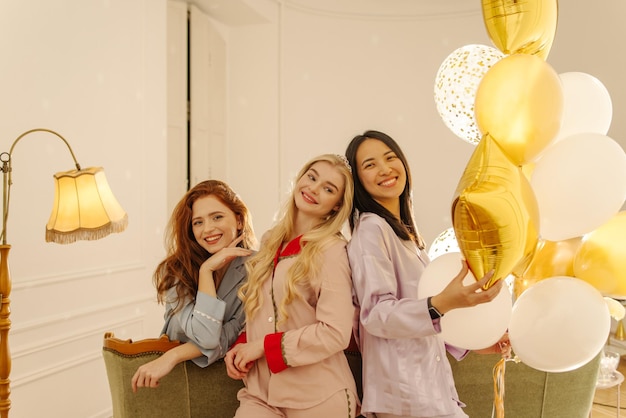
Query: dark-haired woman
[(405, 369)]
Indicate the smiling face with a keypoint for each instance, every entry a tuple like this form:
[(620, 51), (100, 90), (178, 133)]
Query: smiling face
[(213, 224), (381, 173), (319, 191)]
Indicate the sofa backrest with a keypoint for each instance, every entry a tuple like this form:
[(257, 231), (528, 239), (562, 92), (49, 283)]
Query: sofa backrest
[(188, 391), (528, 392)]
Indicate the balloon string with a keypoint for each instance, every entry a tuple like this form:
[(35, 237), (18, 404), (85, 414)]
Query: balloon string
[(498, 387)]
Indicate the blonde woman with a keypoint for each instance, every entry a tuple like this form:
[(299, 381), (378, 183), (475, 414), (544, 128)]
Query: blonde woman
[(298, 305)]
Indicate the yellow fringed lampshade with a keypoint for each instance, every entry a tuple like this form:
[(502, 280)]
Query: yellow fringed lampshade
[(84, 207)]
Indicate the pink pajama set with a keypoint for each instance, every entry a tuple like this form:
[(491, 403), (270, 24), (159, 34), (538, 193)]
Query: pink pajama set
[(304, 373)]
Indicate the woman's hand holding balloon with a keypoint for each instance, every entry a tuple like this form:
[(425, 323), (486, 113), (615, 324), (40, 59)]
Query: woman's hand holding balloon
[(457, 295)]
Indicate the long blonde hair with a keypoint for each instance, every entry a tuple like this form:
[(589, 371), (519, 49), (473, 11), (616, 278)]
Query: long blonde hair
[(260, 266)]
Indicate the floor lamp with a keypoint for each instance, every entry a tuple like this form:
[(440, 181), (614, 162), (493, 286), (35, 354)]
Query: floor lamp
[(84, 208)]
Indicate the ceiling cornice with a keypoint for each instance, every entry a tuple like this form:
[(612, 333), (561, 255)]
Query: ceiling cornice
[(385, 9)]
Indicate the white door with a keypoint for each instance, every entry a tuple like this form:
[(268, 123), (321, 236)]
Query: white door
[(196, 100), (207, 87), (177, 137)]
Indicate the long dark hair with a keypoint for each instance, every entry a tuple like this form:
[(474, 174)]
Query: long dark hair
[(404, 227)]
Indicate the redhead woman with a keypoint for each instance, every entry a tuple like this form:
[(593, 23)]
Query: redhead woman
[(209, 238)]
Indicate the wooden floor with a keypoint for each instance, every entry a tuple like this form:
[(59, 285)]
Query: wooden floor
[(605, 401)]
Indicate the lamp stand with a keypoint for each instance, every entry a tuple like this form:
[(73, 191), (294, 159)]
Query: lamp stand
[(83, 209), (5, 302), (5, 326)]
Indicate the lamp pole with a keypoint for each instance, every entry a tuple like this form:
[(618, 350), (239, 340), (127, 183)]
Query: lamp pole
[(5, 302), (5, 326), (112, 219)]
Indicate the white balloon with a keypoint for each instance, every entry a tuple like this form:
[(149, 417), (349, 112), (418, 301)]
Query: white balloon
[(559, 324), (456, 83), (587, 106), (471, 328), (579, 183)]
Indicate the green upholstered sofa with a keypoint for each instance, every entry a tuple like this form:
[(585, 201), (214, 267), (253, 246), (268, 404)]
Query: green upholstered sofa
[(529, 393), (188, 391)]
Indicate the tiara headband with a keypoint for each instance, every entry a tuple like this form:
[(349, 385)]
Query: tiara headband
[(344, 160)]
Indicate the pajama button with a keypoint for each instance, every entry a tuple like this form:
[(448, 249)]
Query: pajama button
[(270, 319), (438, 358)]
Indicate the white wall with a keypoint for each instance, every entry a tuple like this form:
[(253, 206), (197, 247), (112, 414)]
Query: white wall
[(315, 73), (95, 72)]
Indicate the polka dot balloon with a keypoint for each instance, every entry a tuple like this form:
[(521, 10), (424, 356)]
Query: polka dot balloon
[(456, 83), (444, 243)]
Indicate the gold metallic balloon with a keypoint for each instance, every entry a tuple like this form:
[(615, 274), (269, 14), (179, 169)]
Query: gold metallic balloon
[(519, 102), (528, 169), (494, 214), (526, 27), (551, 259), (601, 258)]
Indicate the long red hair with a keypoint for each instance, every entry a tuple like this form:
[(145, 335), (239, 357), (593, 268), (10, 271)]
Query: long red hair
[(184, 255)]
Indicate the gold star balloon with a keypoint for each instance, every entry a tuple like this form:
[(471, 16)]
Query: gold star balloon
[(495, 214), (525, 27)]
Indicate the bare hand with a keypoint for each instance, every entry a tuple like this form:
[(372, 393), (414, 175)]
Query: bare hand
[(232, 371), (457, 295), (503, 347), (225, 255), (149, 374), (240, 359)]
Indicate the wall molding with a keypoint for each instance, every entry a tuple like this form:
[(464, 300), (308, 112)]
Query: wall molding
[(65, 277), (106, 413), (80, 313), (27, 378), (89, 356), (76, 336)]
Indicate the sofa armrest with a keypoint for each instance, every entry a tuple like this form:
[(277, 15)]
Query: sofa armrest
[(122, 359), (188, 391), (141, 347)]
